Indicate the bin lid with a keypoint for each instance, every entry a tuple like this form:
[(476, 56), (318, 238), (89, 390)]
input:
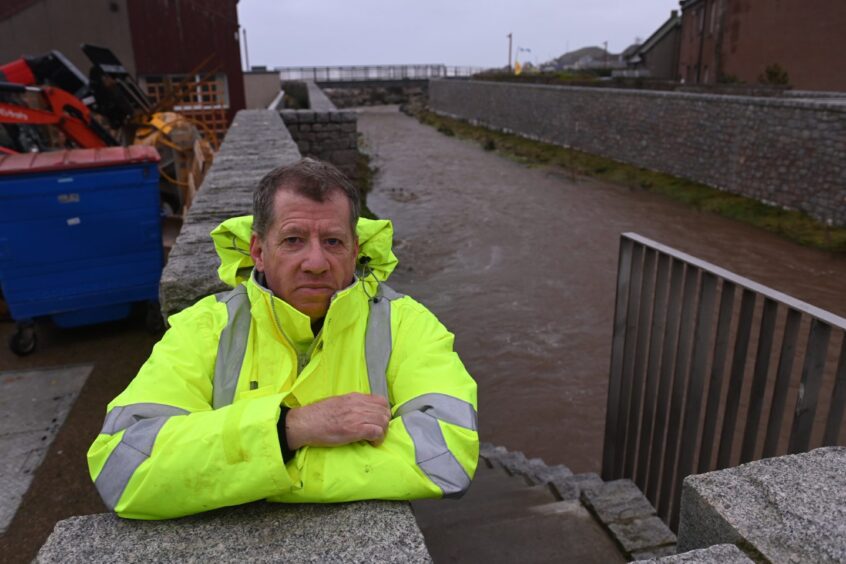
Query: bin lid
[(74, 159)]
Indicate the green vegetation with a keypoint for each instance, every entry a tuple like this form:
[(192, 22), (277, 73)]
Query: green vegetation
[(775, 75), (558, 77), (793, 225)]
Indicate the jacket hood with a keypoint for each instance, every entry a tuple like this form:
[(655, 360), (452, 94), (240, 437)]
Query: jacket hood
[(232, 243)]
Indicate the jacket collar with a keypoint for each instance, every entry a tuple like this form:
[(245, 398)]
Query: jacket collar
[(294, 326)]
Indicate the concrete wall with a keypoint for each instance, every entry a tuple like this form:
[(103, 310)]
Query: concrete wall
[(327, 135), (261, 88), (786, 152), (63, 25)]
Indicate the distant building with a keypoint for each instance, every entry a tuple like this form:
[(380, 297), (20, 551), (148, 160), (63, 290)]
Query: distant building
[(658, 56), (586, 58), (160, 42), (739, 40)]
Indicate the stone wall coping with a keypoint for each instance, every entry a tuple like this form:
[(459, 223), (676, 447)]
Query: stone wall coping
[(317, 99), (802, 103), (371, 531), (256, 143), (785, 509)]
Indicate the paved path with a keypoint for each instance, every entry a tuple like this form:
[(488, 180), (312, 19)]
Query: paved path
[(520, 263)]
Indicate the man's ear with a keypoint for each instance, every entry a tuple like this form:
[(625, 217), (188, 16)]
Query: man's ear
[(256, 252)]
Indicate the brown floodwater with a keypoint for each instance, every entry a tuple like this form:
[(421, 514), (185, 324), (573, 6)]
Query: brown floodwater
[(520, 263)]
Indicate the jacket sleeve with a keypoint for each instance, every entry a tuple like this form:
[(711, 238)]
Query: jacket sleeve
[(164, 452), (431, 447)]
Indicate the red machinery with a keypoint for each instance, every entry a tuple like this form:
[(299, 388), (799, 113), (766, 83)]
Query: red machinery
[(65, 111)]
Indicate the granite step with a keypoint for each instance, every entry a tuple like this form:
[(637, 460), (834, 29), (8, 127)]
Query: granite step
[(564, 533), (488, 502)]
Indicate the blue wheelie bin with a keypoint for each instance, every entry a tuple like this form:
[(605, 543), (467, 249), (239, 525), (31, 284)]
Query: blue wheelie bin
[(80, 236)]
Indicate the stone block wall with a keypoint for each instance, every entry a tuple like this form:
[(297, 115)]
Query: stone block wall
[(374, 94), (327, 135), (789, 152)]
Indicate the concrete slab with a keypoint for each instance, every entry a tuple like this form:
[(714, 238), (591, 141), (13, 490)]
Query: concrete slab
[(33, 406), (371, 531)]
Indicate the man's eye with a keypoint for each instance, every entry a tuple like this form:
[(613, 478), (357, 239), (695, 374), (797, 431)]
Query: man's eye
[(332, 242), (292, 240)]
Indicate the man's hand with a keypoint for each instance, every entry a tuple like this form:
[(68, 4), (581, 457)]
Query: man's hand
[(339, 420)]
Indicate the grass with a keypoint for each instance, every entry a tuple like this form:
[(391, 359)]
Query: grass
[(793, 225)]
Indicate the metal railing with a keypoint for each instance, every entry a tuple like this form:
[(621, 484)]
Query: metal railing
[(374, 72), (703, 373)]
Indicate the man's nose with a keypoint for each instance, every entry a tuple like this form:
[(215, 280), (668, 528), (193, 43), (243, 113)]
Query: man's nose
[(315, 260)]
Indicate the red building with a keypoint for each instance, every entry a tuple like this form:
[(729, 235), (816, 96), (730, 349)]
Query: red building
[(161, 42), (739, 40)]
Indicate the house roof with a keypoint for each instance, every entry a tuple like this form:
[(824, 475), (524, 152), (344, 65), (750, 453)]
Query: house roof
[(673, 22)]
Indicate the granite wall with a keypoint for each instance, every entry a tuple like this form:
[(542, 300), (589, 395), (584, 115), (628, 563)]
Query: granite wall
[(328, 135), (256, 143), (789, 151)]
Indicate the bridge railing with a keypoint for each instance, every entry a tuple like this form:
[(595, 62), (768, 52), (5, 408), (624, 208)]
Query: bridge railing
[(704, 373), (374, 72)]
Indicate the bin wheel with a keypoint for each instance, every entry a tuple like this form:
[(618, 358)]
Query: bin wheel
[(153, 320), (24, 340)]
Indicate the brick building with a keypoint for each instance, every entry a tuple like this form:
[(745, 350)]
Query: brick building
[(161, 42), (737, 40)]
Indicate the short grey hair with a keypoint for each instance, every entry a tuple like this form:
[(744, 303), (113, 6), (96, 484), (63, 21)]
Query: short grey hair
[(308, 177)]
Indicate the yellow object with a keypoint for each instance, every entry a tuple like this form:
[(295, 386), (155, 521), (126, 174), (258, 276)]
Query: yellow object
[(169, 448), (517, 68)]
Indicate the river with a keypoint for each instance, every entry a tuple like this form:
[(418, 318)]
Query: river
[(520, 263)]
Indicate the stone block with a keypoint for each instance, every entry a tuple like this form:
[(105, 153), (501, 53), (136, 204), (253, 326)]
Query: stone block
[(322, 117), (654, 554), (616, 501), (717, 554), (787, 509), (571, 487), (373, 531), (290, 116), (642, 533), (306, 116)]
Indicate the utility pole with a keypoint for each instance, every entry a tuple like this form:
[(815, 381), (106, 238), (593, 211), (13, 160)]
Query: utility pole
[(605, 43), (246, 50), (509, 51)]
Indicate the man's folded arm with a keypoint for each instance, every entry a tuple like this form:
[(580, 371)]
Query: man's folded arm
[(164, 452), (431, 445)]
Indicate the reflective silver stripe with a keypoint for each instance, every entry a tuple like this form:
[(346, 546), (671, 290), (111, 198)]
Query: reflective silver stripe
[(123, 416), (133, 449), (441, 406), (232, 345), (377, 340), (433, 456)]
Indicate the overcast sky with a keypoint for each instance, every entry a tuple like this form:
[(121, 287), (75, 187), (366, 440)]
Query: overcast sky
[(452, 32)]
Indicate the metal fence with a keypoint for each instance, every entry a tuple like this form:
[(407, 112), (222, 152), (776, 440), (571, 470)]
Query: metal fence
[(704, 373), (374, 72)]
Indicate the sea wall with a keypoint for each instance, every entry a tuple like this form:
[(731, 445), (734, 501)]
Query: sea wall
[(786, 151)]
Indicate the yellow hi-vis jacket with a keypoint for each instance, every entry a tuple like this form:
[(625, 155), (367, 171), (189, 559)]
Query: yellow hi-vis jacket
[(197, 427)]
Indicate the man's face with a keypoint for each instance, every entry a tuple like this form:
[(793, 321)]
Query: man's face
[(309, 252)]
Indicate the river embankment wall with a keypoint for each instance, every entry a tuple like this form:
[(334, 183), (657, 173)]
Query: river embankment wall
[(789, 152)]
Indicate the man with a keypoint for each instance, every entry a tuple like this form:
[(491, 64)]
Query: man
[(310, 381)]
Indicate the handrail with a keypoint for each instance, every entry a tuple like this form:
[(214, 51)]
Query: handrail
[(352, 73), (703, 371)]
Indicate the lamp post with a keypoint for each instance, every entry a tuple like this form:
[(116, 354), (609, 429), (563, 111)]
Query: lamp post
[(509, 51)]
